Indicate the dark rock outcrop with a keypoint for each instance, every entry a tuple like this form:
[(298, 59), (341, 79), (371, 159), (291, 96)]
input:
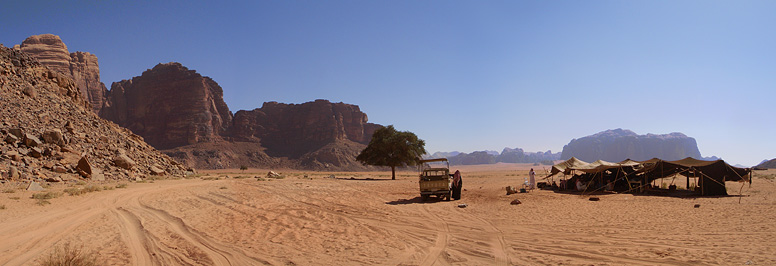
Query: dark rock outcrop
[(620, 144), (81, 67), (170, 106)]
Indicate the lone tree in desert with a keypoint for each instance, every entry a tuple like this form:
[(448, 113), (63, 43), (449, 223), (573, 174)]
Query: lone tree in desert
[(389, 147)]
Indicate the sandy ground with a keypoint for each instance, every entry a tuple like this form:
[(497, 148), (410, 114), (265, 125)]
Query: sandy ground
[(370, 219)]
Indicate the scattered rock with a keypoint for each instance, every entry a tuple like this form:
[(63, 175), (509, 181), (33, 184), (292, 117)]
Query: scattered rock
[(11, 139), (593, 199), (31, 141), (515, 202), (54, 137), (54, 179), (84, 167), (697, 206), (464, 205), (36, 152), (511, 190), (59, 169), (123, 161), (34, 186), (13, 173), (16, 132), (272, 174), (30, 91), (156, 171)]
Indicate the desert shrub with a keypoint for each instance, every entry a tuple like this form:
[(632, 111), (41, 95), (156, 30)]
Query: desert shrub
[(222, 188), (45, 195), (243, 167), (92, 188), (2, 207), (210, 178), (9, 190), (42, 202), (80, 183), (241, 176), (122, 185), (69, 255), (73, 191)]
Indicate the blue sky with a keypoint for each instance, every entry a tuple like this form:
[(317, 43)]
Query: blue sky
[(463, 75)]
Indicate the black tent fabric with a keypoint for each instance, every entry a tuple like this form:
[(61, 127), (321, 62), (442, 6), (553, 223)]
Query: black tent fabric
[(711, 175)]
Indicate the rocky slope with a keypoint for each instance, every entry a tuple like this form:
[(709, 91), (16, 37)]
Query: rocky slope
[(508, 155), (170, 106), (620, 144), (82, 67), (49, 133)]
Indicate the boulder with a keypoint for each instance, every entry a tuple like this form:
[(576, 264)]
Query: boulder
[(515, 202), (35, 152), (13, 173), (30, 91), (16, 132), (123, 161), (84, 167), (511, 190), (54, 136), (155, 170), (272, 174), (59, 169), (620, 144), (11, 139), (34, 186), (31, 141)]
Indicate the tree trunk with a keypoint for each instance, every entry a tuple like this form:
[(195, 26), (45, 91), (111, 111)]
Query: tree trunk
[(393, 172)]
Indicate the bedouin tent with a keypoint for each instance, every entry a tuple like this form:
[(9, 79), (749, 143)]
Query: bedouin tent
[(711, 174)]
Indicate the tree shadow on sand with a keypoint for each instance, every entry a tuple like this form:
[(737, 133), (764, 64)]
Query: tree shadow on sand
[(415, 200)]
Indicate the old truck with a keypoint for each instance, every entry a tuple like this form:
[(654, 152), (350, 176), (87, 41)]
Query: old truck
[(435, 178)]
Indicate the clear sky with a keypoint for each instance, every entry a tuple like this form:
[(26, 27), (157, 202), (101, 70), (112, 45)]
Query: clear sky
[(462, 75)]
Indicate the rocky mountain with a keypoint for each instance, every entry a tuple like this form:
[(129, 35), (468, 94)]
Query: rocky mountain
[(517, 155), (170, 106), (620, 144), (767, 164), (183, 113), (82, 67), (50, 133)]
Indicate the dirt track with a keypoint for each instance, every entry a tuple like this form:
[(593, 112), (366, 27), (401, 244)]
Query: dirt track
[(370, 220)]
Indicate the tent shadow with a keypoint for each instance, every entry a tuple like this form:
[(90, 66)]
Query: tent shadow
[(684, 194), (415, 200)]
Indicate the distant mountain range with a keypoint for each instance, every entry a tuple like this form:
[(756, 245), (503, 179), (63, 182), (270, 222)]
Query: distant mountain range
[(508, 155), (612, 145), (767, 164)]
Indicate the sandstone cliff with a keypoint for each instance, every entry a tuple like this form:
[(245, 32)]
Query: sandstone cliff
[(619, 144), (293, 130), (49, 133), (82, 67), (170, 106)]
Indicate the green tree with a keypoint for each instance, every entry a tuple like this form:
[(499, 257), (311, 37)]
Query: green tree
[(389, 147)]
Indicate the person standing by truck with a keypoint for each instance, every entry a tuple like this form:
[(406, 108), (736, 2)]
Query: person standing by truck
[(531, 179), (457, 184)]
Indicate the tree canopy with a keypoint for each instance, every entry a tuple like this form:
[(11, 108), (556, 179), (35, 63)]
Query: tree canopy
[(393, 148)]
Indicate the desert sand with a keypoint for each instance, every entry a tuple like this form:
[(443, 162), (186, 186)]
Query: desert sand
[(231, 218)]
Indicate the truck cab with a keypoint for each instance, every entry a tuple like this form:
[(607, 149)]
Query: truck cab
[(435, 179)]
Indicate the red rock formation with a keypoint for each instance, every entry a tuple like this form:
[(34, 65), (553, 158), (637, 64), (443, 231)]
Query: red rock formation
[(292, 130), (170, 106), (81, 67)]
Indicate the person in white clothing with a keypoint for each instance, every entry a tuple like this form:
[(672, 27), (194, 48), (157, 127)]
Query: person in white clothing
[(532, 179)]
